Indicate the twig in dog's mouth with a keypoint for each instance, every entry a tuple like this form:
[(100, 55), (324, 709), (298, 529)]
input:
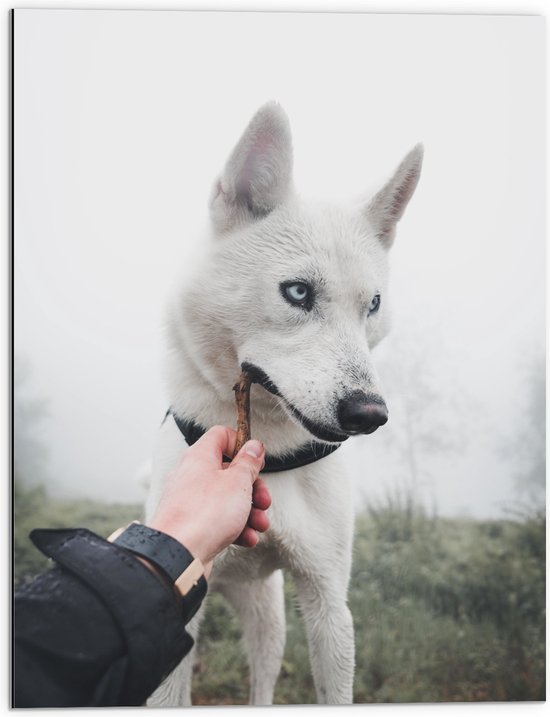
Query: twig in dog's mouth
[(242, 398)]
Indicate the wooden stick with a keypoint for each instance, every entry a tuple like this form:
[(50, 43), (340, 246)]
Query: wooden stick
[(242, 398)]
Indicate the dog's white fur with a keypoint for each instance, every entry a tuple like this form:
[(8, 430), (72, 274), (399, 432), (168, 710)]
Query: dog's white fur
[(234, 312)]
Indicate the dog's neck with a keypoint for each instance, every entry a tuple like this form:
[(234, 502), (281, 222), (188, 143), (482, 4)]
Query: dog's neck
[(201, 389)]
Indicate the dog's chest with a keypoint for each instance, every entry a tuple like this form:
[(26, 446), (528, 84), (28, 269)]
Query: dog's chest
[(243, 564), (310, 506)]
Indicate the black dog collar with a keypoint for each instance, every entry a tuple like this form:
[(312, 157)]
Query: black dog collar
[(303, 456)]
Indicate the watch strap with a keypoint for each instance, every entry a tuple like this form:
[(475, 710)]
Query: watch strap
[(165, 552), (170, 557)]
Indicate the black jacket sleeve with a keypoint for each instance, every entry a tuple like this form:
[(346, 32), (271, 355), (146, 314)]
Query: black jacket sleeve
[(99, 629)]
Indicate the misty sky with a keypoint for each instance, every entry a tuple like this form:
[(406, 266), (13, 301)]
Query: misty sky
[(124, 119)]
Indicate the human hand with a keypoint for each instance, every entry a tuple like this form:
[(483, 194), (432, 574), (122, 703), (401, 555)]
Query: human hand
[(207, 505)]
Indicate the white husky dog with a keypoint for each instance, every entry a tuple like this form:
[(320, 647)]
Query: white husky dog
[(295, 292)]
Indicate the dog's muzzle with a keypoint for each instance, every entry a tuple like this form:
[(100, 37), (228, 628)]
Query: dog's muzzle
[(357, 413), (361, 413)]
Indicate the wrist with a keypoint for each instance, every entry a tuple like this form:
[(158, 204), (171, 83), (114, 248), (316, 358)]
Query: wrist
[(192, 537), (191, 541), (170, 560)]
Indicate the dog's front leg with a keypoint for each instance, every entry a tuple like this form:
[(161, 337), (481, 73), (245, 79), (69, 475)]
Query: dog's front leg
[(329, 628), (260, 607)]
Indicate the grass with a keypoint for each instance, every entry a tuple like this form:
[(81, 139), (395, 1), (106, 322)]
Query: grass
[(34, 509), (444, 610), (448, 610)]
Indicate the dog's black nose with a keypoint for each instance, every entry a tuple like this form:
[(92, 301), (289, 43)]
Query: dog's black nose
[(359, 413)]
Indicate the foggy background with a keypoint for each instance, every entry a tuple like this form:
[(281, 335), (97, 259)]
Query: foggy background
[(122, 122)]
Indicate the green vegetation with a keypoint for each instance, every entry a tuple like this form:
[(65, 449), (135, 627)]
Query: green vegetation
[(448, 610), (444, 610), (34, 509)]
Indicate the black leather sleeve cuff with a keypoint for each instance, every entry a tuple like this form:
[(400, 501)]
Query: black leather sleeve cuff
[(143, 607)]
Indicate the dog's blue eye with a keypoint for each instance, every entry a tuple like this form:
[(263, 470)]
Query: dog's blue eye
[(374, 305), (298, 293)]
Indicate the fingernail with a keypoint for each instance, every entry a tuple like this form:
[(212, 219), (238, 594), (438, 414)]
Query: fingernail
[(254, 448)]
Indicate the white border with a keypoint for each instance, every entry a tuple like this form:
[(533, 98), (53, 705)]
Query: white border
[(463, 7)]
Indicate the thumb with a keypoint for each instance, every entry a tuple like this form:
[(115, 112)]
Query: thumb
[(251, 455)]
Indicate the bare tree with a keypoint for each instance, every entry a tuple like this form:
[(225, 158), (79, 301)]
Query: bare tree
[(428, 402), (527, 446)]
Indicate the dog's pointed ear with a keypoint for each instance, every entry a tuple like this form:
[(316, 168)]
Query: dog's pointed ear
[(258, 174), (386, 208)]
